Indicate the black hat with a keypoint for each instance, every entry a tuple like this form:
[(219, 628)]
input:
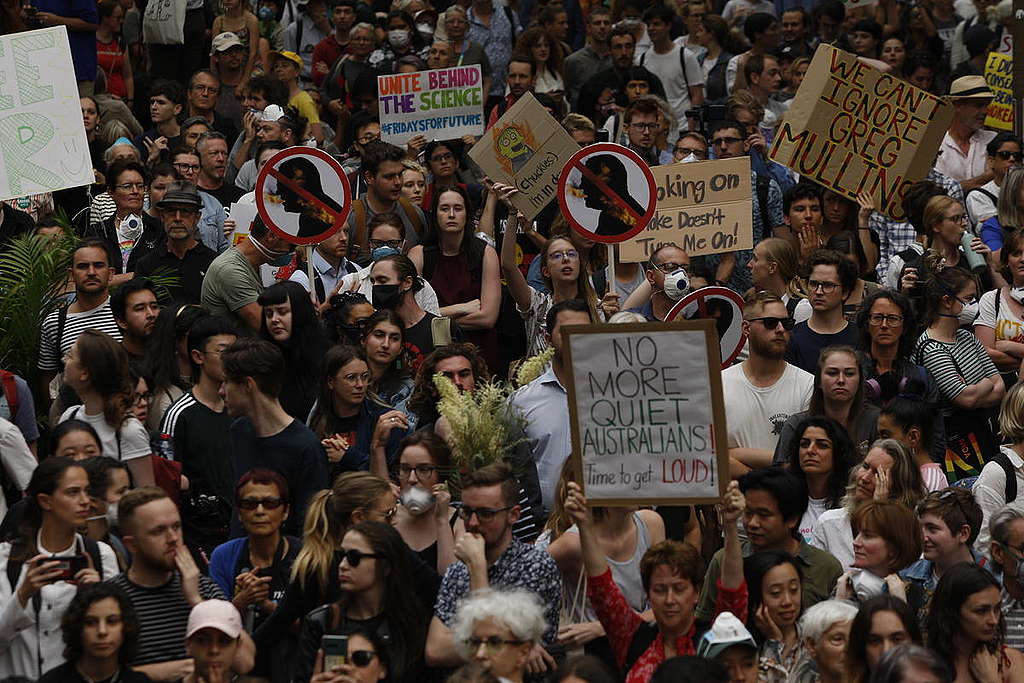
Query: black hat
[(179, 194)]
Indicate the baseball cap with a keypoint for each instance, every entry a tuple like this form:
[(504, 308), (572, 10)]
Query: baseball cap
[(724, 633), (273, 112), (225, 41), (969, 88), (289, 55), (218, 614)]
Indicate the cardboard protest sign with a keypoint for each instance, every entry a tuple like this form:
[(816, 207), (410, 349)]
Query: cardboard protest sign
[(703, 207), (999, 76), (442, 104), (527, 148), (607, 193), (855, 129), (302, 194), (42, 138), (646, 412)]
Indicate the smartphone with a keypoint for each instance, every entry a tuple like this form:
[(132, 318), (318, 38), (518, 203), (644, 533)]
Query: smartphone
[(69, 565), (602, 136), (335, 651)]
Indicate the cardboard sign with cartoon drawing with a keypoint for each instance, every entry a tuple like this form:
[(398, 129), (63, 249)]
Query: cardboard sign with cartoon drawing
[(527, 148)]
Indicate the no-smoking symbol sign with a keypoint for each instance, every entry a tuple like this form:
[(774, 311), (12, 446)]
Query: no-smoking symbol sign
[(607, 193), (302, 194)]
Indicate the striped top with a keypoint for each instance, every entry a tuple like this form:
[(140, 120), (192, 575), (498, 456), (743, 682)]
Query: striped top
[(174, 411), (1013, 614), (163, 616), (52, 350), (954, 365)]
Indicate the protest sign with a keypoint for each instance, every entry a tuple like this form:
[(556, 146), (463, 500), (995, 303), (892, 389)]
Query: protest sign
[(43, 147), (703, 207), (527, 148), (852, 129), (606, 192), (999, 76), (442, 104), (302, 194), (722, 305), (646, 412)]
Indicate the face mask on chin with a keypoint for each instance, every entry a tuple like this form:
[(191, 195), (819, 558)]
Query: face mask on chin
[(274, 258)]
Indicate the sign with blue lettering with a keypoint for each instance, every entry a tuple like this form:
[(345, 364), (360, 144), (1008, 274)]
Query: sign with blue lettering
[(646, 412), (526, 148), (43, 147)]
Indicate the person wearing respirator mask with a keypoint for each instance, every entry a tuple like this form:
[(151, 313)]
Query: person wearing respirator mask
[(667, 274), (232, 284), (402, 38), (424, 518)]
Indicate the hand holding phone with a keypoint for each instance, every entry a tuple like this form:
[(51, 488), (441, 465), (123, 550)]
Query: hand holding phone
[(335, 651)]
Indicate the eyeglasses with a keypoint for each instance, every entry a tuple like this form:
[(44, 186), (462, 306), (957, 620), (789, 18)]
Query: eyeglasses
[(644, 126), (211, 89), (723, 141), (186, 167), (353, 378), (128, 187), (1007, 156), (669, 267), (483, 514), (951, 493), (178, 211), (147, 397), (877, 319), (377, 244), (567, 255), (958, 218), (354, 557), (362, 658), (825, 287), (771, 322), (492, 643), (699, 153), (367, 139), (442, 157), (267, 503), (420, 470)]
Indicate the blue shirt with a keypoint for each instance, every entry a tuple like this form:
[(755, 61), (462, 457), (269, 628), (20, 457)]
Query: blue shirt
[(82, 43), (544, 403), (497, 41)]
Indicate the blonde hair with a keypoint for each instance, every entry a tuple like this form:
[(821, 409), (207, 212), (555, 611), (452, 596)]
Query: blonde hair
[(935, 212), (411, 165), (782, 254), (744, 99), (1011, 414), (328, 517)]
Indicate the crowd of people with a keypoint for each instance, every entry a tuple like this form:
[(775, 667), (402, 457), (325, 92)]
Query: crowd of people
[(238, 461)]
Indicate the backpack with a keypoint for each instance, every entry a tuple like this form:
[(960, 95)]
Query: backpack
[(682, 65), (1003, 460), (360, 247)]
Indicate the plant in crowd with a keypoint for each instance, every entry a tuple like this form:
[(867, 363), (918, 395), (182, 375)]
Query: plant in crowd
[(534, 366)]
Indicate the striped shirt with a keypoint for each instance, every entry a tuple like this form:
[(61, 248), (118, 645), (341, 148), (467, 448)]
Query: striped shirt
[(163, 616), (954, 365), (52, 350), (1013, 614), (174, 411)]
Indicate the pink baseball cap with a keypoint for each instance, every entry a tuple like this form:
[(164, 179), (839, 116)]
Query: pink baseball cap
[(218, 614)]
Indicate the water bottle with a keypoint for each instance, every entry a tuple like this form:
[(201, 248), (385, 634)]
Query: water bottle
[(975, 260)]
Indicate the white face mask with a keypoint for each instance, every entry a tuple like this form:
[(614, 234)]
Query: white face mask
[(866, 585), (1017, 294), (968, 313), (398, 37), (417, 500)]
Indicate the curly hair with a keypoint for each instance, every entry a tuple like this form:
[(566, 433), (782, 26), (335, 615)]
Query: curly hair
[(425, 396), (73, 620)]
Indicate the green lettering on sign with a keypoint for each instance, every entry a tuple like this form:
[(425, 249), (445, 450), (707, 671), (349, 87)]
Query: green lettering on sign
[(21, 136), (29, 89)]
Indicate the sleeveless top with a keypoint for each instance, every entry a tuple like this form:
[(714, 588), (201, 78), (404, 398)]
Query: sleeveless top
[(456, 281)]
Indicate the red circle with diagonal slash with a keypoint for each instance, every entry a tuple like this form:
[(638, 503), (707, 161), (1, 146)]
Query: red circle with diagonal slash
[(732, 340), (270, 170), (576, 162)]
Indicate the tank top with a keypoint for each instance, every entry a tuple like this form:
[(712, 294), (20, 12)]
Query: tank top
[(455, 281), (626, 573)]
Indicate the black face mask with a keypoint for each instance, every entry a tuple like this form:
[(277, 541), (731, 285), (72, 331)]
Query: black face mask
[(386, 296)]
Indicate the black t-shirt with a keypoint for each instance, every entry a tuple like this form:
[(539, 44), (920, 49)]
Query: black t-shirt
[(805, 344), (191, 270), (227, 194), (419, 339), (202, 444), (67, 673), (295, 452), (345, 427)]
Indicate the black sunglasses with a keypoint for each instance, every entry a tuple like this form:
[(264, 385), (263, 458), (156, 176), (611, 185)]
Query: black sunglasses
[(1007, 155), (362, 658), (771, 322), (354, 556), (267, 503)]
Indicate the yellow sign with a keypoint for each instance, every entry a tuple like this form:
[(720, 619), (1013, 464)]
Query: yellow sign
[(999, 75)]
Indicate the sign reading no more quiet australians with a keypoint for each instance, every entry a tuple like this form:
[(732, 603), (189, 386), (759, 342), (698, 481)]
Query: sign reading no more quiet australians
[(646, 413)]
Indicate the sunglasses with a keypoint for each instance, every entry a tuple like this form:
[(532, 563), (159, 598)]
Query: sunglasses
[(354, 557), (770, 322), (362, 658), (1007, 156), (267, 503)]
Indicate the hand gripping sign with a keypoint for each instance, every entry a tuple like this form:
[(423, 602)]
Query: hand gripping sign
[(607, 193), (302, 194)]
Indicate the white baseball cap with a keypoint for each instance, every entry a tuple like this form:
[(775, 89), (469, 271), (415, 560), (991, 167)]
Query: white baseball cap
[(724, 633), (218, 614)]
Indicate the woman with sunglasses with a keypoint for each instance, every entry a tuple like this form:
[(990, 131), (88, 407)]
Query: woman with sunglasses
[(1000, 323), (357, 430), (425, 519), (1004, 154), (498, 629), (366, 661), (376, 582), (384, 346), (968, 381), (966, 627)]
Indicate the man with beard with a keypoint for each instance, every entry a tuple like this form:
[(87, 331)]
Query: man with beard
[(493, 559), (764, 390), (521, 78), (962, 154), (182, 253), (135, 309), (164, 585), (213, 164)]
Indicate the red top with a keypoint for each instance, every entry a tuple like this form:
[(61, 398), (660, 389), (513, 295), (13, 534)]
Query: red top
[(621, 622), (328, 51), (110, 58), (498, 111)]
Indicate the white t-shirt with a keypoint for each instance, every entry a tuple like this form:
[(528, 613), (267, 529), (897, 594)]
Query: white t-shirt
[(667, 68), (134, 439), (756, 414), (426, 297), (832, 533), (815, 508), (980, 206), (1006, 325)]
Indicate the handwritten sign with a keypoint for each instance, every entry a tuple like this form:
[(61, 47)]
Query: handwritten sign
[(855, 129), (442, 104), (646, 412), (703, 207), (527, 148), (42, 138), (999, 76)]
